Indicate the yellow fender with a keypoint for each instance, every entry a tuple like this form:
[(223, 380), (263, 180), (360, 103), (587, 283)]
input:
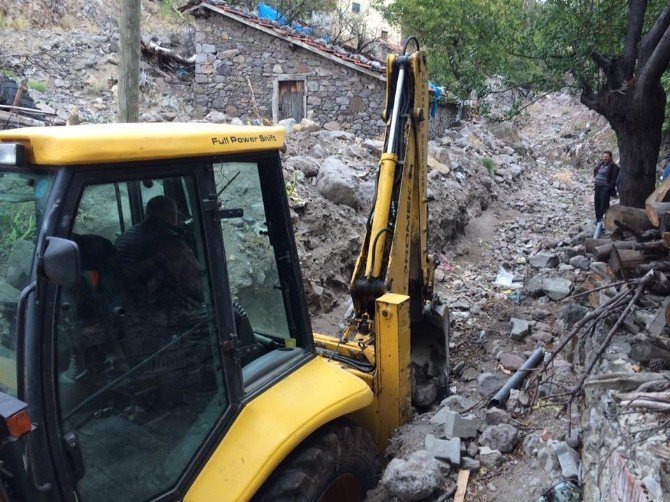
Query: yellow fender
[(273, 425)]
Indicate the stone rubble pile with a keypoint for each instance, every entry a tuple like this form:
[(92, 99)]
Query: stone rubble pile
[(506, 281), (331, 176)]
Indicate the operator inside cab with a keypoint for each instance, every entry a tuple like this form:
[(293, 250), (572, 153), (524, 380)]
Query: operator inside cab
[(156, 259)]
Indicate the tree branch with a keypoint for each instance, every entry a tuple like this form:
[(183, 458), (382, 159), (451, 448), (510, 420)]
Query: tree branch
[(636, 11), (651, 39), (589, 98), (656, 65), (603, 62)]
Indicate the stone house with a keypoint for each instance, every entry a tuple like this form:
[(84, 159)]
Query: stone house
[(249, 68)]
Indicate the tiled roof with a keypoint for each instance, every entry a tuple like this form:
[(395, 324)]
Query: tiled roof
[(316, 45)]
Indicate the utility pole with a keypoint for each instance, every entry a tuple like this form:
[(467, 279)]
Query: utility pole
[(129, 65)]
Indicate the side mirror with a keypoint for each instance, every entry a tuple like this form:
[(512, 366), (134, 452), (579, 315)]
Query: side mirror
[(61, 263)]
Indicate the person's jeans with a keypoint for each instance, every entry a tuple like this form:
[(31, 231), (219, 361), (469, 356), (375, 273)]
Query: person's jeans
[(602, 200)]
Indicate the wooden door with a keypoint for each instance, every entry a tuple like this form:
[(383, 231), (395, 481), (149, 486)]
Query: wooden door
[(291, 100)]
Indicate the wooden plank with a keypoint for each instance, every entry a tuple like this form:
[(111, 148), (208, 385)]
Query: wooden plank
[(462, 485), (13, 118)]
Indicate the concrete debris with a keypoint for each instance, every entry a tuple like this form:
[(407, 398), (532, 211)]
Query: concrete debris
[(580, 262), (461, 427), (457, 403), (502, 437), (413, 479), (449, 449), (453, 403), (490, 458), (495, 416), (544, 260), (555, 288), (490, 383), (470, 464), (575, 438), (568, 458), (518, 328)]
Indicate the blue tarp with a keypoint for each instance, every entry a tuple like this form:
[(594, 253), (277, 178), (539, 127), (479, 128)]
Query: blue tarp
[(267, 12), (438, 93)]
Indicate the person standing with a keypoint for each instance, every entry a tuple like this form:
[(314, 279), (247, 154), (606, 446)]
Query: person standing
[(605, 177)]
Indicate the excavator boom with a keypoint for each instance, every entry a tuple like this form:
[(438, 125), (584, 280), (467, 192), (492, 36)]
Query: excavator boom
[(394, 256)]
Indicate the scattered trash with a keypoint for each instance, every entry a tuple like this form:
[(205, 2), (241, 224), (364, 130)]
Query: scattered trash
[(565, 491), (506, 280), (516, 297)]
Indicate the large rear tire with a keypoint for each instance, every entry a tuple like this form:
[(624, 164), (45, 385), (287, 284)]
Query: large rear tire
[(336, 463)]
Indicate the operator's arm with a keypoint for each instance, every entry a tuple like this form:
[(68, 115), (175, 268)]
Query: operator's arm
[(177, 258)]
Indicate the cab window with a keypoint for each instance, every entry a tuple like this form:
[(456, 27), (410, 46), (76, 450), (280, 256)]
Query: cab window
[(140, 378), (23, 200), (250, 256)]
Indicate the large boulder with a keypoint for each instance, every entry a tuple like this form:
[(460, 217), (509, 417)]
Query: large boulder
[(338, 183), (307, 165), (415, 478), (501, 437)]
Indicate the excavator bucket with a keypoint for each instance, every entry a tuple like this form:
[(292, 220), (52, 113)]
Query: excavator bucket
[(430, 355)]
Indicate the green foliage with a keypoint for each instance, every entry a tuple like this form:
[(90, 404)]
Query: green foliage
[(37, 86), (665, 81), (17, 221), (466, 40), (8, 73), (489, 165), (167, 9), (528, 44)]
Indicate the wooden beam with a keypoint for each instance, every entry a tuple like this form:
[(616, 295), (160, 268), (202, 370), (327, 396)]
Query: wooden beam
[(13, 118), (462, 485)]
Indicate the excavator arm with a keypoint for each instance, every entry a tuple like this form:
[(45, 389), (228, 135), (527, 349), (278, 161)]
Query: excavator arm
[(397, 338), (394, 256)]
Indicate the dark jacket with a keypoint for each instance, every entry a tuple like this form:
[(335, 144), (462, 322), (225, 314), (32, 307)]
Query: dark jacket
[(612, 176)]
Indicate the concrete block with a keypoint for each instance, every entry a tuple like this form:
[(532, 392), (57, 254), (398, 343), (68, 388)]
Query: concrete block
[(461, 427), (568, 458), (444, 449)]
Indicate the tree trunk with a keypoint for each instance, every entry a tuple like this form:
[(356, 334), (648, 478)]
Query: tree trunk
[(639, 139), (129, 64)]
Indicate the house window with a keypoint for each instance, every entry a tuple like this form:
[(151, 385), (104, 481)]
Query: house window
[(384, 35), (355, 7)]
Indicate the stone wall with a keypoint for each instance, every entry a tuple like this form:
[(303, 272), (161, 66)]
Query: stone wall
[(620, 460), (227, 52), (443, 119)]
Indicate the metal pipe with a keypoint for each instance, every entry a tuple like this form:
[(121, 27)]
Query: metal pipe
[(503, 394)]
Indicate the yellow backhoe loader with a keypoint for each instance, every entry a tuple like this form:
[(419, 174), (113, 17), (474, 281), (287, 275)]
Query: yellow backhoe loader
[(154, 338)]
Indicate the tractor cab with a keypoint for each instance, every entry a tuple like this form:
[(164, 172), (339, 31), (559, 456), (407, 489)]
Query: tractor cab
[(149, 288)]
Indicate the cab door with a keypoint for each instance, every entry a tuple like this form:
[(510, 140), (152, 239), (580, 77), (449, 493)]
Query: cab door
[(141, 386)]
